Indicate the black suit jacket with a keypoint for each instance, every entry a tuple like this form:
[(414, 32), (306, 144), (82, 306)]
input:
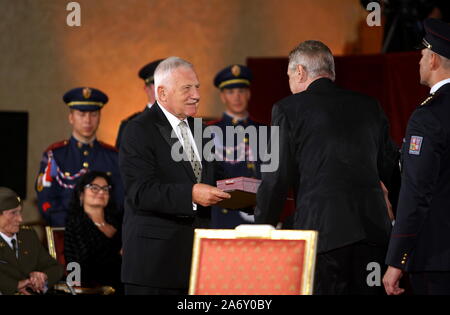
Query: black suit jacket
[(421, 235), (124, 124), (332, 151), (159, 219)]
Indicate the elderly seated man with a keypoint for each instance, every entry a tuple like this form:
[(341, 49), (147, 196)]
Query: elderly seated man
[(25, 266)]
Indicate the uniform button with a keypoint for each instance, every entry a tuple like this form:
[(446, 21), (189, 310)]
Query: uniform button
[(403, 262), (224, 211), (86, 153), (250, 165), (66, 174), (85, 164), (108, 173), (245, 140)]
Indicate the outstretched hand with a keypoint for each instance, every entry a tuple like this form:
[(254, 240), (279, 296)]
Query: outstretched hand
[(207, 195)]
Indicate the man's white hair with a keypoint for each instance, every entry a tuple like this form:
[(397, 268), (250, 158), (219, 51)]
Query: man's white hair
[(315, 57), (165, 68)]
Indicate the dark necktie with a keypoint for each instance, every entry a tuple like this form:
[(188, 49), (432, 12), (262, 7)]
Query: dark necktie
[(15, 249)]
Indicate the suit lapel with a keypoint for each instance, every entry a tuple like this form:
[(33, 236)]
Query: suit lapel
[(165, 130)]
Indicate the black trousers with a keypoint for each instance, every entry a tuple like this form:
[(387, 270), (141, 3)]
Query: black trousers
[(132, 289), (344, 270), (430, 283)]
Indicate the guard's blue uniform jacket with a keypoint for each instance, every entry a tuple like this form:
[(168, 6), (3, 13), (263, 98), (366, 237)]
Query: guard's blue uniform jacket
[(420, 238), (61, 166), (248, 166)]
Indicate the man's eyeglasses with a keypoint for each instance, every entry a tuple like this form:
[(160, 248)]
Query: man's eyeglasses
[(96, 188)]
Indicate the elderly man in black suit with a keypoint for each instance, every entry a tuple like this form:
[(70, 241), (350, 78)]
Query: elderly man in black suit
[(166, 199), (420, 241), (332, 152)]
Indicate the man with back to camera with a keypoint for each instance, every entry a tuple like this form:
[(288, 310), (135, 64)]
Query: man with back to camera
[(420, 240), (65, 161), (165, 199), (332, 152)]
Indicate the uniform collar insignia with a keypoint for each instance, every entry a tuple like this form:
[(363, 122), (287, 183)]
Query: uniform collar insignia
[(429, 98)]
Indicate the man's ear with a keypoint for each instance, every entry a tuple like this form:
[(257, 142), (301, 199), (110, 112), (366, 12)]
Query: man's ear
[(70, 117), (435, 61), (222, 97), (162, 93), (301, 73)]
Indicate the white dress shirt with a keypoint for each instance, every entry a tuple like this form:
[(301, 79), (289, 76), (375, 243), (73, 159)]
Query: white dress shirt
[(9, 239), (438, 85), (174, 122)]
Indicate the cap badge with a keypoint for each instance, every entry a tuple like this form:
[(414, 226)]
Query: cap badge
[(87, 93), (236, 70)]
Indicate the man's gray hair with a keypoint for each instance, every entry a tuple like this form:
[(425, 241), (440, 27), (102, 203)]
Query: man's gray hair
[(165, 68), (315, 57)]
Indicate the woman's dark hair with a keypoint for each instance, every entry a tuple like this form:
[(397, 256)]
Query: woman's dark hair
[(86, 179)]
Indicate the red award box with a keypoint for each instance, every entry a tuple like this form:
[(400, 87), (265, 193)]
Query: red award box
[(242, 190)]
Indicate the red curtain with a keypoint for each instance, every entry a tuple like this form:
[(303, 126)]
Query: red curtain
[(392, 78)]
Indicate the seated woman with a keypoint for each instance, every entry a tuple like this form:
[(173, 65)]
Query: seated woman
[(92, 237)]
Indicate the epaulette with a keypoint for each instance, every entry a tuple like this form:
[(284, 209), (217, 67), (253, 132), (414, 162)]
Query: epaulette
[(57, 145), (108, 146), (428, 99), (213, 122)]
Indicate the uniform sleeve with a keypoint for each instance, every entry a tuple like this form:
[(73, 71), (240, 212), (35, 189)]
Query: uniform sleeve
[(422, 152), (48, 191), (47, 264), (8, 284), (272, 192)]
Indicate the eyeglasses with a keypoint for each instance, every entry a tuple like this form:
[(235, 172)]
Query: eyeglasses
[(96, 188)]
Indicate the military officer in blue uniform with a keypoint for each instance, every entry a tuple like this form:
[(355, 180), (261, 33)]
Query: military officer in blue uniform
[(420, 240), (234, 84), (146, 73), (65, 161)]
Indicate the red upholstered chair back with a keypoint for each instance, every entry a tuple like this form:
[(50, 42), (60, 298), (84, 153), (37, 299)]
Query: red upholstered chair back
[(253, 262), (55, 241)]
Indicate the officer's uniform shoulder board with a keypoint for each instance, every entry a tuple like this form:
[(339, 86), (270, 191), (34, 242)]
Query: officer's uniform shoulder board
[(213, 122), (428, 99), (107, 146), (57, 145)]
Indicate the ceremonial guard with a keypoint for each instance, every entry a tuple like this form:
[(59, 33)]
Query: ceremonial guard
[(420, 240), (240, 158), (146, 74), (65, 161)]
